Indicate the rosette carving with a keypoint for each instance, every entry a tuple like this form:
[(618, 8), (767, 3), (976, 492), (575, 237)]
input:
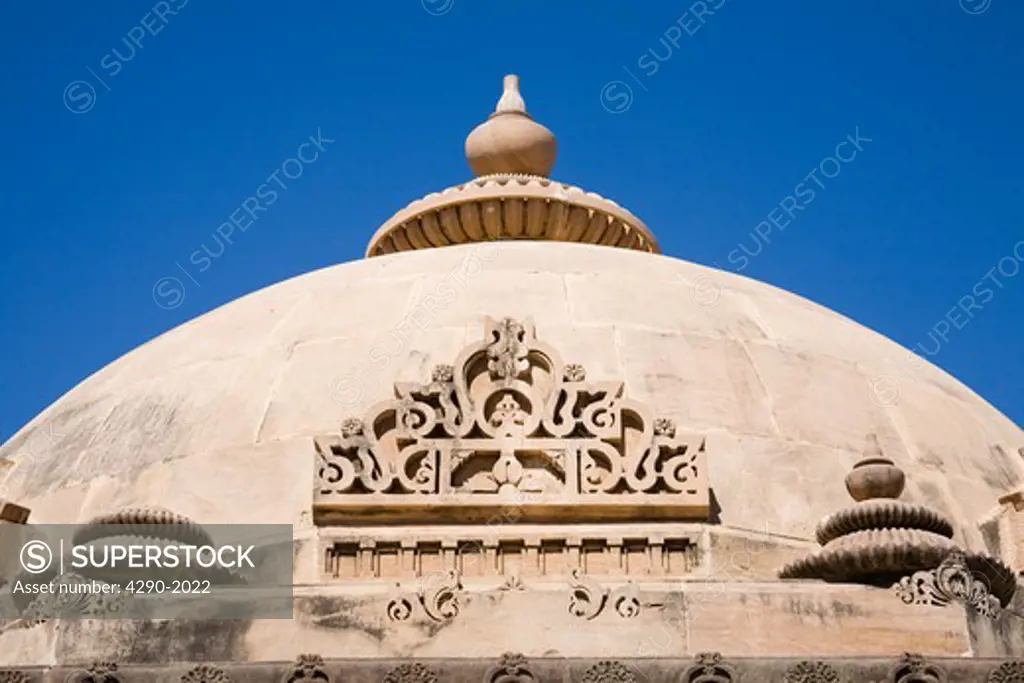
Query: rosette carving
[(812, 672), (508, 419), (204, 673), (609, 672), (410, 673), (1008, 672)]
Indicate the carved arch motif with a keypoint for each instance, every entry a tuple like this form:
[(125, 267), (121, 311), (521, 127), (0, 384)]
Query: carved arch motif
[(307, 668), (509, 421), (914, 668), (708, 667)]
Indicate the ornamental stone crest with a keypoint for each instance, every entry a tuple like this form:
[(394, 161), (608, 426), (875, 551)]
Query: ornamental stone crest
[(99, 672), (914, 668), (512, 667), (708, 667), (509, 422), (307, 668), (951, 581)]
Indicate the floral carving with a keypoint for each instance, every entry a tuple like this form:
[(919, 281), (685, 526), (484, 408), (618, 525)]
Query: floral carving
[(575, 373), (708, 667), (351, 426), (512, 667), (442, 373), (13, 676), (609, 672), (913, 668), (204, 673), (951, 581), (410, 673), (1008, 672), (664, 427), (812, 672), (509, 417)]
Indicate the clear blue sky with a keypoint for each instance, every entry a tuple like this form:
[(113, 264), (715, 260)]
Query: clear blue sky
[(98, 206)]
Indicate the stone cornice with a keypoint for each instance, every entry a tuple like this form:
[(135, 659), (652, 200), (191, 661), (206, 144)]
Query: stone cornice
[(511, 668)]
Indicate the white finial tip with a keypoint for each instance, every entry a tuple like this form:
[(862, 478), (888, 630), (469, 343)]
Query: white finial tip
[(511, 101)]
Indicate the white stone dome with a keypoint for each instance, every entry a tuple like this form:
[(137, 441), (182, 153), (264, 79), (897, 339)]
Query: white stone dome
[(215, 419)]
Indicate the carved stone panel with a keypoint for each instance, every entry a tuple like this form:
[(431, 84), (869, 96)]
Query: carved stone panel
[(509, 424)]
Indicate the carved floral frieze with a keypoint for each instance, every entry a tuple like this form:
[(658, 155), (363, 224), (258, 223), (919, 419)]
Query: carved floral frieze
[(509, 423)]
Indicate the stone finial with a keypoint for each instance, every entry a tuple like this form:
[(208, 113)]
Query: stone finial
[(510, 141), (874, 475)]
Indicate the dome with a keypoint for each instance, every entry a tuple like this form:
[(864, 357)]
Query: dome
[(215, 419), (659, 438)]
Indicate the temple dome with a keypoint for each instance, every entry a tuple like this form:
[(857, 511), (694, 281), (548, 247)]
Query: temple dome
[(215, 419)]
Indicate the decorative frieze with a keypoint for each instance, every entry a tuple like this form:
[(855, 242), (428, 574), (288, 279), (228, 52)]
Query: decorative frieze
[(509, 426), (508, 552), (704, 667)]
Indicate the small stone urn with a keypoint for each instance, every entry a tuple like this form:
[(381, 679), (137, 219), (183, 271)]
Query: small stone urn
[(875, 476)]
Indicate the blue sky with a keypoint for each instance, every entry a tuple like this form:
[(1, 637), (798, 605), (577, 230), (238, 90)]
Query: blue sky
[(700, 118)]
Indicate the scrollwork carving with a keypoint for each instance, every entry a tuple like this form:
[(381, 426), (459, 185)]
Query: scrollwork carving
[(13, 676), (708, 667), (437, 595), (812, 672), (440, 596), (307, 668), (509, 417), (951, 581), (626, 601), (586, 597)]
